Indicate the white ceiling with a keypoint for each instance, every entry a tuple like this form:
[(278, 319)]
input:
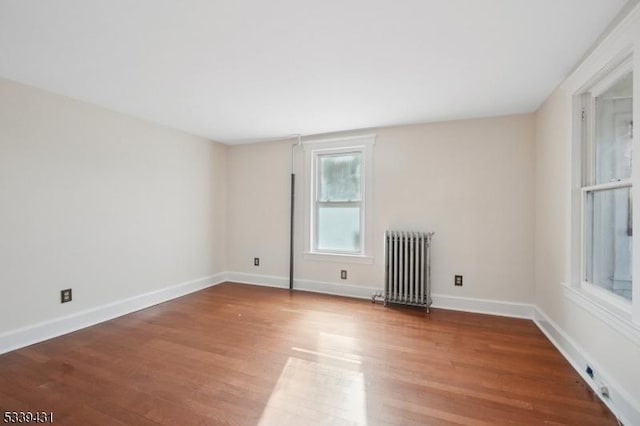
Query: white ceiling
[(240, 70)]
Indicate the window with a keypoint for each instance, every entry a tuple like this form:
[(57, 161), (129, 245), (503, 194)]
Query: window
[(338, 202), (338, 199), (606, 204)]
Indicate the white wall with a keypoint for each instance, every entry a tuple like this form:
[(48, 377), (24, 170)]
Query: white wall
[(102, 203), (593, 336), (606, 348), (472, 182)]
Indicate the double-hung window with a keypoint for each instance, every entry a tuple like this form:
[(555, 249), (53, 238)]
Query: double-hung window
[(338, 202), (607, 187), (338, 216)]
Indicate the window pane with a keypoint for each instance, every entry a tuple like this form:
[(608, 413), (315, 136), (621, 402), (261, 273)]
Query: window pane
[(610, 230), (614, 131), (339, 177), (339, 228)]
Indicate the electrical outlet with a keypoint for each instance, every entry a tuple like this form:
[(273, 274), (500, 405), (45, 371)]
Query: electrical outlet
[(343, 274), (457, 280), (256, 261), (65, 296)]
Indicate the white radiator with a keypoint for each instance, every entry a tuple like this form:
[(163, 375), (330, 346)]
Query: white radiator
[(408, 268)]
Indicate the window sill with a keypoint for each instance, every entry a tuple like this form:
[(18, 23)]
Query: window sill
[(342, 258), (608, 300), (619, 319)]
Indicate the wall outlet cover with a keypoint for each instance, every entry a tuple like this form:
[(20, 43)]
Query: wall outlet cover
[(65, 296)]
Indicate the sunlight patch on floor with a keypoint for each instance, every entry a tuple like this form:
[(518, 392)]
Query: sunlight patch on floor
[(313, 393), (337, 356)]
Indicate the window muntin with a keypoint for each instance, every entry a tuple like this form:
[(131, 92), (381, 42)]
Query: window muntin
[(607, 188)]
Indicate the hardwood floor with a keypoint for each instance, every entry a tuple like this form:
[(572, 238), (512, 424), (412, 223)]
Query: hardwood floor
[(246, 355)]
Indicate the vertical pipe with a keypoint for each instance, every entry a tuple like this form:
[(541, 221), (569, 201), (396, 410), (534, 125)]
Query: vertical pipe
[(293, 189), (293, 204)]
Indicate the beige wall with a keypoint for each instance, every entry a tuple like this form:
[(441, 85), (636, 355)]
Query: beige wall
[(108, 205), (472, 182), (606, 341), (552, 176)]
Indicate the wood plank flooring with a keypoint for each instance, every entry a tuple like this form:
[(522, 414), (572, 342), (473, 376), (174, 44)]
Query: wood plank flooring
[(245, 355)]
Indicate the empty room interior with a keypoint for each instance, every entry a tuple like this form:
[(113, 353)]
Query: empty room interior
[(366, 212)]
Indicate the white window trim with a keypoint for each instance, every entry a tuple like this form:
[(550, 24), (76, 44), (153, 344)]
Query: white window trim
[(364, 144), (605, 70), (622, 322)]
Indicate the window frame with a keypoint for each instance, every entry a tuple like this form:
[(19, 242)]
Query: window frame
[(584, 184), (337, 146)]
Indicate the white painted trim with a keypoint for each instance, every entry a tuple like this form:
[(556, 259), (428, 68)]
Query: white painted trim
[(608, 80), (327, 142), (259, 279), (483, 306), (618, 320), (619, 40), (336, 289), (29, 335), (608, 299), (441, 301), (341, 258), (609, 185), (620, 402)]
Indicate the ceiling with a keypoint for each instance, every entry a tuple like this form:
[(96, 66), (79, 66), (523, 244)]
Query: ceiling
[(246, 70)]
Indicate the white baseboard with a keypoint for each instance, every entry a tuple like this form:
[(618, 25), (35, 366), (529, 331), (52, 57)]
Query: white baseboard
[(483, 306), (621, 403), (258, 279), (357, 291), (26, 336), (492, 307)]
